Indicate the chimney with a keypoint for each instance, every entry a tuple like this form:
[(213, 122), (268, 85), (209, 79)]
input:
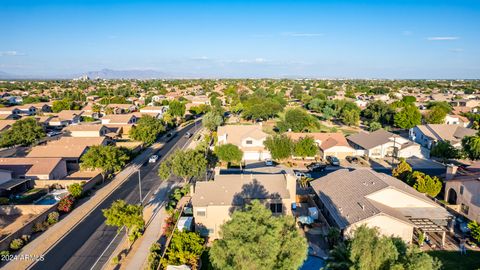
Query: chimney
[(451, 171)]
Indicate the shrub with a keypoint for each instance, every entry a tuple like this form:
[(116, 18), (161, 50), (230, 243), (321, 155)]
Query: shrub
[(40, 227), (66, 204), (4, 201), (76, 190), (16, 244), (4, 253), (154, 256), (52, 218), (115, 260)]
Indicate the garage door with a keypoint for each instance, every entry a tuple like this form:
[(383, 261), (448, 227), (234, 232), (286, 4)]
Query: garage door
[(251, 155), (340, 155)]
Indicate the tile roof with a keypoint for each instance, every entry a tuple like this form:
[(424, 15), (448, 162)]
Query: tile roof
[(344, 193), (370, 140), (446, 132), (236, 133), (29, 166), (66, 147), (234, 189)]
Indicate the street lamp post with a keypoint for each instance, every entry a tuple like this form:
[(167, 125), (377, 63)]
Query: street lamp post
[(140, 186)]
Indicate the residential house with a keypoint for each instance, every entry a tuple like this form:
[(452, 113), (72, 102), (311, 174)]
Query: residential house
[(349, 199), (87, 130), (462, 190), (43, 106), (26, 110), (14, 100), (455, 119), (6, 124), (154, 110), (427, 135), (69, 149), (122, 108), (66, 118), (214, 201), (16, 174), (249, 138), (470, 103), (330, 144), (381, 144), (119, 119), (9, 111)]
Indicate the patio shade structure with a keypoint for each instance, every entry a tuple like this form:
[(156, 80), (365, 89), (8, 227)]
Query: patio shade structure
[(427, 225)]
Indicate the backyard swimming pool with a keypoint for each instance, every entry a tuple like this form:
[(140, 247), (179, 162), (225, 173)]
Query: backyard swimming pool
[(47, 200)]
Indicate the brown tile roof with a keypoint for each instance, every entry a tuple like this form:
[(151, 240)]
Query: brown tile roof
[(234, 189), (445, 132), (29, 166), (119, 118), (370, 140), (66, 147), (6, 124), (85, 127), (344, 194), (236, 133)]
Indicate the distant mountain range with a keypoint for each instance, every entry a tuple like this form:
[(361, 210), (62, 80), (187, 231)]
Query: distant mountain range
[(100, 74), (127, 74)]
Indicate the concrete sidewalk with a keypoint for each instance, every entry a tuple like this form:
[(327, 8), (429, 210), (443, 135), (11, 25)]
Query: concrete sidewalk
[(155, 213)]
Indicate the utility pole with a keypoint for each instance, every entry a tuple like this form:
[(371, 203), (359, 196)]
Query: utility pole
[(140, 186)]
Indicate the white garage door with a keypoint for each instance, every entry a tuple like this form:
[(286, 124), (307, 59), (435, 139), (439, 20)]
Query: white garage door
[(251, 155)]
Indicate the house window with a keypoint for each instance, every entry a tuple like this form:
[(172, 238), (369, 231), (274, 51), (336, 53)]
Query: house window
[(201, 213), (464, 208), (249, 142), (276, 207), (461, 190)]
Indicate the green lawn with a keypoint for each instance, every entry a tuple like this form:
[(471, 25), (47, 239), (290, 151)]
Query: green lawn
[(453, 260)]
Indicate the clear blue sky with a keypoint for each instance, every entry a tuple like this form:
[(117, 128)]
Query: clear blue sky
[(365, 39)]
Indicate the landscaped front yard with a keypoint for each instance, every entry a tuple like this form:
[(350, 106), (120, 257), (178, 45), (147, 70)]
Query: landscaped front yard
[(453, 260)]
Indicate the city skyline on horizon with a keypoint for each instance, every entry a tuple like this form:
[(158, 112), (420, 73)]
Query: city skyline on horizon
[(243, 39)]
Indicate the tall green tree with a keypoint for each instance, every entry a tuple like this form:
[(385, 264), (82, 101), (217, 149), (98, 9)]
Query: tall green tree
[(176, 108), (280, 146), (64, 104), (106, 158), (185, 164), (255, 239), (229, 153), (122, 214), (471, 147), (305, 147), (367, 249), (444, 150), (23, 132), (402, 171), (425, 183), (408, 117), (212, 120), (297, 120), (474, 230), (147, 129), (436, 115), (350, 117), (185, 248)]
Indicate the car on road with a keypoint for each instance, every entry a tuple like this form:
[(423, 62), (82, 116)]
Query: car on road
[(153, 159), (302, 175), (188, 135), (53, 133), (268, 162), (334, 161), (316, 167)]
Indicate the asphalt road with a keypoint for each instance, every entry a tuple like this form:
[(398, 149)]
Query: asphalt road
[(81, 248)]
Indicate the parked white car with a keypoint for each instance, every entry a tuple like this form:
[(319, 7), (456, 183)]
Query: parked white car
[(302, 174), (153, 159)]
